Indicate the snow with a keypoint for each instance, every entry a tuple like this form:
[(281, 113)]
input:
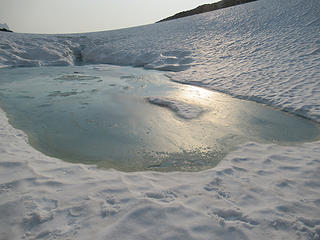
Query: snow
[(257, 192), (266, 51)]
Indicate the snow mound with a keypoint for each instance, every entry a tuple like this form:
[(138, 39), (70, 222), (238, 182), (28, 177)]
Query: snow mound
[(30, 50), (163, 61), (182, 109)]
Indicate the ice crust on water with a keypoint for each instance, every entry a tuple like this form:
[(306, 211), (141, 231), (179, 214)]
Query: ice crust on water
[(182, 109), (76, 77), (267, 51)]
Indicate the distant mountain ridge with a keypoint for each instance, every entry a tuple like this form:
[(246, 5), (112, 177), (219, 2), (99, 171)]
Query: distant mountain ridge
[(207, 8)]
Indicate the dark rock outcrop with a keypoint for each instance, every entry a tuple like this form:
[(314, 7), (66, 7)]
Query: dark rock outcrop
[(207, 8), (5, 30)]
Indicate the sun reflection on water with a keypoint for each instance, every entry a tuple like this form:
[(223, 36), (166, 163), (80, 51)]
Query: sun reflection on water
[(195, 94)]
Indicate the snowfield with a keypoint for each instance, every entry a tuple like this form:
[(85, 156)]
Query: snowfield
[(266, 51)]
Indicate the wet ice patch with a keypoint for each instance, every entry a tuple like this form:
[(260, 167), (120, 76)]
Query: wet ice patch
[(76, 77), (127, 131), (62, 94), (182, 109)]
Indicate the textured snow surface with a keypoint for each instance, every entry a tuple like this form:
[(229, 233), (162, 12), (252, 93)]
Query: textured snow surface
[(267, 51), (257, 192)]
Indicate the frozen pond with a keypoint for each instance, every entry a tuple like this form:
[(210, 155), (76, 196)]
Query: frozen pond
[(132, 119)]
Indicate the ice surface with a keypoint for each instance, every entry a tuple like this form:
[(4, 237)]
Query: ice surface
[(106, 115), (267, 51), (184, 110)]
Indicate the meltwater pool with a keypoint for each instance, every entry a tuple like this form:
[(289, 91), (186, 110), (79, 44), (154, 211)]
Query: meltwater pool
[(131, 119)]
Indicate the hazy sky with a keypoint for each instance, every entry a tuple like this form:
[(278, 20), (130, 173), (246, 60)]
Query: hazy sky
[(70, 16)]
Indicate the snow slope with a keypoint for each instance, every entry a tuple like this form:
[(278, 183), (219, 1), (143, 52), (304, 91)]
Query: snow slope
[(267, 51)]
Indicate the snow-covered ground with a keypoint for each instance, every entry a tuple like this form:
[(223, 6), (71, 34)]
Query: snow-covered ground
[(267, 51)]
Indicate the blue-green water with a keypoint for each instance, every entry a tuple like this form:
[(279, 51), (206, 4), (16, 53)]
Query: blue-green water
[(99, 115)]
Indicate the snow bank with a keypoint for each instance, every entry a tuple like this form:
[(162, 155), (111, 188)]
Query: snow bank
[(27, 50)]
